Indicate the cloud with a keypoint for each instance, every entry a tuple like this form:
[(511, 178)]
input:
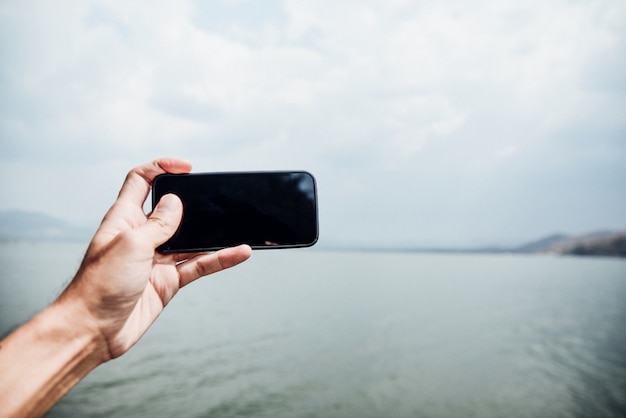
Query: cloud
[(507, 151), (366, 94)]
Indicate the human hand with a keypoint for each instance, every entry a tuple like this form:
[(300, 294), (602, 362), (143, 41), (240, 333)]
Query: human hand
[(123, 283), (121, 287)]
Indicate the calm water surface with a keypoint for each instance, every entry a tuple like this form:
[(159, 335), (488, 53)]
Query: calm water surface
[(322, 334)]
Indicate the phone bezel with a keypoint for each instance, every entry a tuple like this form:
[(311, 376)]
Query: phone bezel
[(154, 199)]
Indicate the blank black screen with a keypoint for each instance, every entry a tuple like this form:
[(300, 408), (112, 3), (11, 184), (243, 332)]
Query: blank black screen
[(264, 210)]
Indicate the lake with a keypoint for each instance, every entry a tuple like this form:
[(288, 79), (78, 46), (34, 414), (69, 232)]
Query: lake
[(308, 333)]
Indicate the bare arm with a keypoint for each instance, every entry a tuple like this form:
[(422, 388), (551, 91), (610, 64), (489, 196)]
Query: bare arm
[(120, 289), (45, 358)]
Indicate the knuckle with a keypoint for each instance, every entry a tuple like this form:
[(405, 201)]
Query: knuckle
[(201, 269), (161, 222)]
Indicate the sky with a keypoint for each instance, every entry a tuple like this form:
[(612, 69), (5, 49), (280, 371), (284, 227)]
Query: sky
[(426, 123)]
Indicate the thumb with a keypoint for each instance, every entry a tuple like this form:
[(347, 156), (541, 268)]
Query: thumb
[(164, 220)]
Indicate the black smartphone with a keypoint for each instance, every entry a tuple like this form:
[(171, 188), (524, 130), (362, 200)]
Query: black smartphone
[(275, 209)]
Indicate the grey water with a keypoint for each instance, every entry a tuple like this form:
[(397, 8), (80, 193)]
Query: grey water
[(310, 333)]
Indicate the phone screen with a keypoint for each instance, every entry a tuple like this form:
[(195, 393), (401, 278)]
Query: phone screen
[(262, 209)]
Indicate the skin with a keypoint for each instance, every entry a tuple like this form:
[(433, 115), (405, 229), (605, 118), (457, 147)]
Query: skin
[(122, 286)]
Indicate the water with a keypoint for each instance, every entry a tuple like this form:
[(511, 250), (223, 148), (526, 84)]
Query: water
[(321, 334)]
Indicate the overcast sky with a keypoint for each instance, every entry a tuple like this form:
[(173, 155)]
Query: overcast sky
[(425, 122)]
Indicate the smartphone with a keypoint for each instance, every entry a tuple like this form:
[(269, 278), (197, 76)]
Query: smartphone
[(276, 209)]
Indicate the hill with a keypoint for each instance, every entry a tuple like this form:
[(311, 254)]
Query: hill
[(601, 243), (18, 225)]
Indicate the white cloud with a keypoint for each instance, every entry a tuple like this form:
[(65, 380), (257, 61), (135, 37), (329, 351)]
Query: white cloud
[(349, 87), (506, 151)]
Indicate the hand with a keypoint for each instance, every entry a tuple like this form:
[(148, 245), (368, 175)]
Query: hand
[(121, 287), (123, 283)]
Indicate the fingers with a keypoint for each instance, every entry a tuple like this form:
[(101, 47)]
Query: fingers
[(205, 264), (163, 221), (139, 179)]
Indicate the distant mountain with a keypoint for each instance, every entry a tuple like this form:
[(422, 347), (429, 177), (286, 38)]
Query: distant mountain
[(18, 225), (601, 243), (542, 244), (613, 246)]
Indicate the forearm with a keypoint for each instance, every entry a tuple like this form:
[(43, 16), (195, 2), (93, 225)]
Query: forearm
[(43, 359)]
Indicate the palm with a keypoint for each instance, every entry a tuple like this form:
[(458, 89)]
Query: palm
[(147, 279), (125, 282)]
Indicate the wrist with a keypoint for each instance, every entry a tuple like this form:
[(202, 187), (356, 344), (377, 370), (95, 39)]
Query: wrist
[(78, 328)]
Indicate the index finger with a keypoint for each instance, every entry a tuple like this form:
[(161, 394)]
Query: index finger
[(139, 180), (205, 264)]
